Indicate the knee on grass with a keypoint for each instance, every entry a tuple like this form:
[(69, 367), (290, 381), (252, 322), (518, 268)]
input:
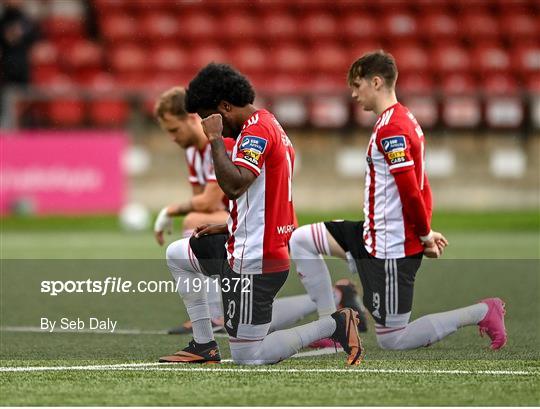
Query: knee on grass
[(391, 341)]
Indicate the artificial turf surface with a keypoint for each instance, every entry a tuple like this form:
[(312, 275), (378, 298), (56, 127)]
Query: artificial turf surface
[(493, 254)]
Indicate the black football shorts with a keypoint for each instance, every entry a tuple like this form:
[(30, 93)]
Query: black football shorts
[(388, 283), (247, 298)]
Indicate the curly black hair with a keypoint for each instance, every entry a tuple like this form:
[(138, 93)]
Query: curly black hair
[(216, 83)]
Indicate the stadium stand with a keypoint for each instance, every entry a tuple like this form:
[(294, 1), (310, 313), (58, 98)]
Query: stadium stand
[(443, 47)]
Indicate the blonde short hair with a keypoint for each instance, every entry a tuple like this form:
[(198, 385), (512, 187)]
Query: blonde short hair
[(171, 101)]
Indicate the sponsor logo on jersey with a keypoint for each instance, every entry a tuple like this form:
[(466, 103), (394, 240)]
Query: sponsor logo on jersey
[(252, 147), (289, 228), (394, 143), (396, 155)]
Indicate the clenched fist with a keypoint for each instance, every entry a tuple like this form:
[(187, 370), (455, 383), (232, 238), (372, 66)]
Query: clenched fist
[(213, 126)]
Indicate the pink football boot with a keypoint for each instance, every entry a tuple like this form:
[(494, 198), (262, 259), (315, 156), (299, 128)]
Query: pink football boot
[(324, 343), (493, 322)]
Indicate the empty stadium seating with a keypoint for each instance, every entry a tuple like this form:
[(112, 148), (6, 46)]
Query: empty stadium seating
[(456, 47)]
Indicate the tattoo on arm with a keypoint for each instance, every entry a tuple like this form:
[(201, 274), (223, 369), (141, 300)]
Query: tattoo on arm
[(232, 179)]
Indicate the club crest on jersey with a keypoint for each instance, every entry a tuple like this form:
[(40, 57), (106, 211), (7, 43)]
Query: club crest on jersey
[(393, 143), (252, 147)]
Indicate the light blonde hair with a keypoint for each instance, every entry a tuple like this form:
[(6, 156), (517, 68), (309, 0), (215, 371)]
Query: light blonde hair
[(171, 101)]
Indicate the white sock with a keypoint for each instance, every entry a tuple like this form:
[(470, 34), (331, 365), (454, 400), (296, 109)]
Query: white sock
[(288, 310), (431, 328), (283, 344), (214, 299), (202, 331), (185, 267), (308, 244)]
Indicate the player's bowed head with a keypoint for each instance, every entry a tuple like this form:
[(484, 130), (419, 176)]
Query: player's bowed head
[(220, 89), (372, 79), (223, 98)]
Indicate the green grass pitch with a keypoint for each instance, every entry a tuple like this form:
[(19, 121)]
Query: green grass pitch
[(489, 254)]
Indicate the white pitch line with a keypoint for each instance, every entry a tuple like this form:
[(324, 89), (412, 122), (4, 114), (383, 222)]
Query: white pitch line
[(174, 368)]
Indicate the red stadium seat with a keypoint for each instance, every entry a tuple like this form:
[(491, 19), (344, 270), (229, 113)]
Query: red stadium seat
[(433, 6), (330, 57), (235, 25), (500, 84), (44, 53), (490, 59), (526, 59), (359, 27), (533, 83), (461, 111), (203, 54), (479, 26), (415, 83), (44, 62), (522, 6), (358, 50), (119, 27), (85, 76), (411, 58), (458, 84), (60, 82), (290, 58), (60, 27), (388, 6), (450, 58), (472, 6), (145, 6), (45, 74), (461, 106), (101, 81), (290, 110), (228, 6), (288, 83), (504, 107), (83, 55), (319, 26), (128, 58), (329, 111), (109, 6), (66, 113), (519, 26), (159, 27), (110, 112), (168, 59), (160, 83), (137, 80), (249, 58), (400, 25), (199, 26), (279, 26), (439, 26), (328, 83), (416, 90), (424, 108)]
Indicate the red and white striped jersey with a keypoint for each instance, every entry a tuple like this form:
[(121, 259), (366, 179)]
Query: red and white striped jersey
[(262, 220), (396, 145), (200, 163)]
